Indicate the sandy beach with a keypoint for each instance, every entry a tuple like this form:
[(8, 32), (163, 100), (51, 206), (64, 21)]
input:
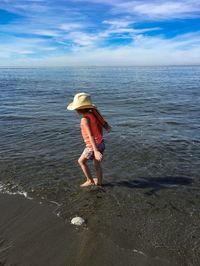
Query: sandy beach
[(30, 234), (151, 230)]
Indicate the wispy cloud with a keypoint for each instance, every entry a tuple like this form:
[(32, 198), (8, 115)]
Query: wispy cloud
[(74, 30), (141, 52), (125, 26), (162, 9), (121, 28), (25, 47)]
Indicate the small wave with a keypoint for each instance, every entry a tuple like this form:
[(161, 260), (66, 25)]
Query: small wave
[(13, 191)]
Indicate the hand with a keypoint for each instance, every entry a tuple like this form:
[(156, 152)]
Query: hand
[(98, 156)]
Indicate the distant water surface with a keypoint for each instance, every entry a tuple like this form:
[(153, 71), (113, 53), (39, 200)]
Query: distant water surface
[(154, 112)]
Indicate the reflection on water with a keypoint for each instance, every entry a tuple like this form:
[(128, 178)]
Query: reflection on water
[(154, 113), (151, 165)]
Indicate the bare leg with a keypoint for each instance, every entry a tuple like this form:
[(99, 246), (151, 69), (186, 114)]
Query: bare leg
[(99, 173), (83, 164)]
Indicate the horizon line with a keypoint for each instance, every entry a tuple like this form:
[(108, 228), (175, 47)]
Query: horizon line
[(79, 66)]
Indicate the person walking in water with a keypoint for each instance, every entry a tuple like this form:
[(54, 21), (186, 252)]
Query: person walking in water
[(92, 124)]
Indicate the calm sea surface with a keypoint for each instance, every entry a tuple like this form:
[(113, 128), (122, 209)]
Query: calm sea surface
[(154, 113)]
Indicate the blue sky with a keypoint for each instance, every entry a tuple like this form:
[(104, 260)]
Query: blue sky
[(99, 32)]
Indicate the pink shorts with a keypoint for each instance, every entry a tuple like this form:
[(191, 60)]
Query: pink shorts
[(89, 153)]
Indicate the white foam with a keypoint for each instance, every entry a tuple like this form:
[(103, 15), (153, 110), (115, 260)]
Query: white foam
[(5, 190), (139, 252), (55, 202)]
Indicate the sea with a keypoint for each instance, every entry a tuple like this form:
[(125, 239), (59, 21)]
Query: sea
[(151, 163)]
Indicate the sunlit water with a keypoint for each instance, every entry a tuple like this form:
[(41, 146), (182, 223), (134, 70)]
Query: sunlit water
[(154, 113), (154, 144)]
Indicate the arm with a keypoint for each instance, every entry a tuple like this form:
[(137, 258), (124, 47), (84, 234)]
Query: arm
[(97, 154)]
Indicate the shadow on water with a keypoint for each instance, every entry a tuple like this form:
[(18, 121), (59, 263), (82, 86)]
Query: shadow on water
[(154, 183)]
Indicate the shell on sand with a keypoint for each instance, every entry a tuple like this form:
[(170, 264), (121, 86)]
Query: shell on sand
[(77, 221)]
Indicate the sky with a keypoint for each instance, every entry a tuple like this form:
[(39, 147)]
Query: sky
[(99, 32)]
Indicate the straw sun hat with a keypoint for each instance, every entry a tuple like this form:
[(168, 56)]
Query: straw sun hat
[(81, 101)]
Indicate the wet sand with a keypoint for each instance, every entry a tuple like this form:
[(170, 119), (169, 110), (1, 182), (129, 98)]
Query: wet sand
[(30, 234), (146, 222)]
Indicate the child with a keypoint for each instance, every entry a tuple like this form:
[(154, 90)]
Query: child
[(92, 133)]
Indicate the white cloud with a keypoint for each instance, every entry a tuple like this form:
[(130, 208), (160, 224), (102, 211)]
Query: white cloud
[(16, 47), (161, 9), (49, 33), (24, 7), (125, 26), (119, 23), (120, 57), (154, 9), (121, 28), (47, 27), (72, 26), (83, 39), (184, 49)]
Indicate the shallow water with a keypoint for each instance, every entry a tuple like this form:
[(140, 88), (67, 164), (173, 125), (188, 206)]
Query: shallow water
[(151, 164)]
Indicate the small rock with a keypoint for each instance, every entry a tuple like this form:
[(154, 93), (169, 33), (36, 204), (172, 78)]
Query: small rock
[(77, 221)]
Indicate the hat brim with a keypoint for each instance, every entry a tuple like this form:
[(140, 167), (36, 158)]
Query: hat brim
[(73, 107)]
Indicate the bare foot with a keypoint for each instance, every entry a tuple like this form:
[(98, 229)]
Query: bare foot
[(95, 181), (87, 183)]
